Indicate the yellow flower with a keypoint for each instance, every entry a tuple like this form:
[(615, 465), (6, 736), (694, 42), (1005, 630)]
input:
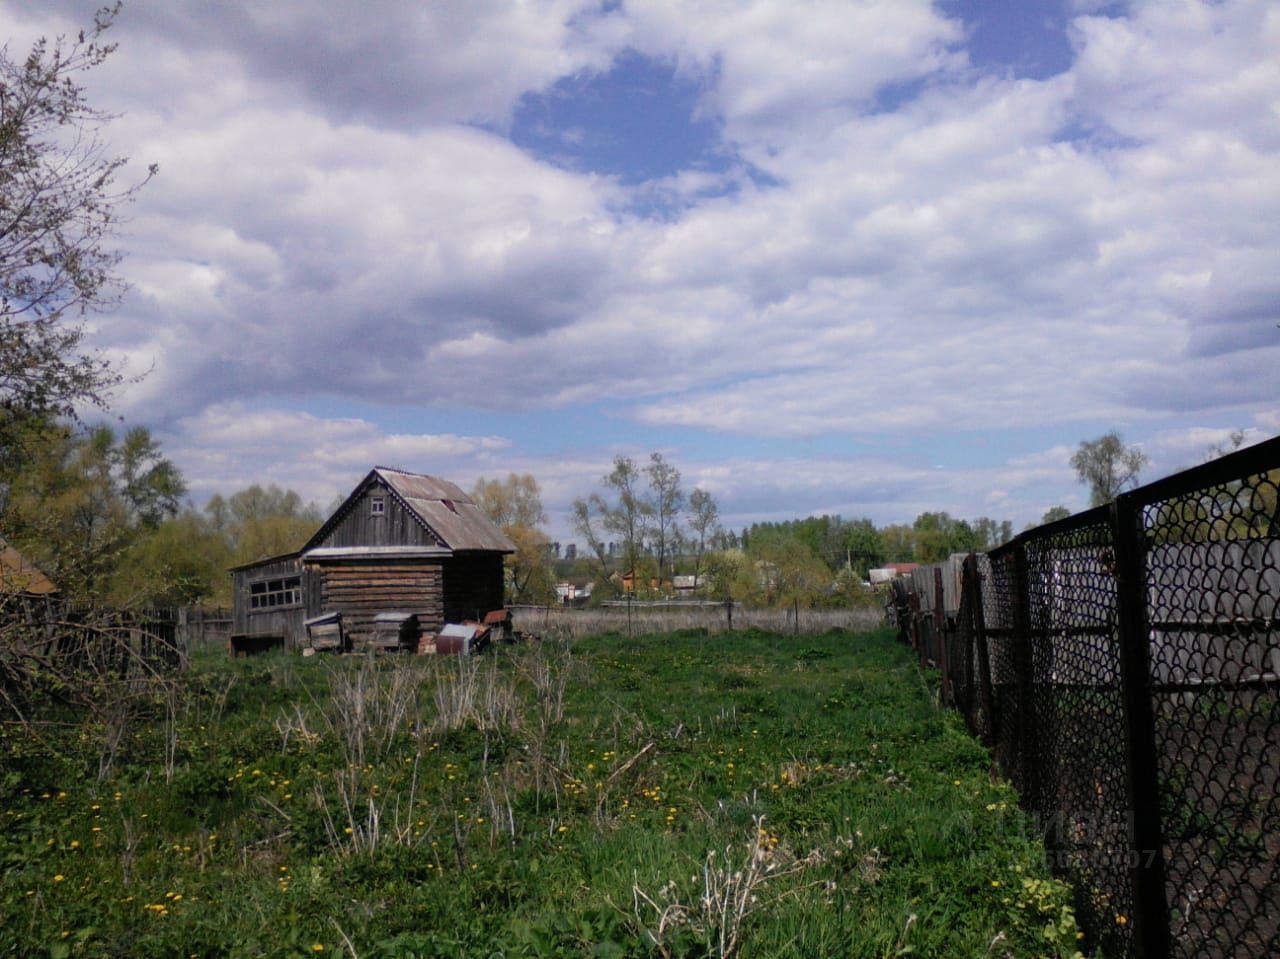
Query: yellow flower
[(317, 947), (59, 877)]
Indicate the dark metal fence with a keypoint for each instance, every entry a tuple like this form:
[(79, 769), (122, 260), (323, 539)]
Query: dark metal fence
[(1124, 667)]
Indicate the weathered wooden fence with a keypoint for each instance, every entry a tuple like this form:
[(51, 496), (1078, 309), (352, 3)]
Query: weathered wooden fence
[(1124, 667)]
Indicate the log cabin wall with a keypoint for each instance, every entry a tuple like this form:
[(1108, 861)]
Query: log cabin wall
[(362, 590), (473, 584)]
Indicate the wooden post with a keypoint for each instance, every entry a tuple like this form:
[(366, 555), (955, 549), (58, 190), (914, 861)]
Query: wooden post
[(940, 632)]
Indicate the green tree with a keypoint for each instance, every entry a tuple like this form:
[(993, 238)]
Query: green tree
[(938, 535), (82, 500), (1054, 513), (1107, 466), (515, 505), (60, 210), (899, 543), (267, 521), (587, 517), (989, 533)]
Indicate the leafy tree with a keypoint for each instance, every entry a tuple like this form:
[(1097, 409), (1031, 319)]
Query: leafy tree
[(989, 533), (84, 499), (788, 571), (1107, 466), (515, 505), (938, 535), (60, 208), (1054, 513), (899, 543), (266, 521), (666, 500)]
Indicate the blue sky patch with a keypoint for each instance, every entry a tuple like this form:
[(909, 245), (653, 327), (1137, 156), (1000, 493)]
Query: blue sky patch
[(639, 122)]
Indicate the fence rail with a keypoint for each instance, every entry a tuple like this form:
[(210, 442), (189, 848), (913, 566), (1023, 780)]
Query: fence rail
[(1123, 665)]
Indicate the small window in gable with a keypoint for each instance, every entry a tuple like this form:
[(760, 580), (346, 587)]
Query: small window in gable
[(377, 506)]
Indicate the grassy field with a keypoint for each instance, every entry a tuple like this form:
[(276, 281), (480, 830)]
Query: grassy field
[(681, 794)]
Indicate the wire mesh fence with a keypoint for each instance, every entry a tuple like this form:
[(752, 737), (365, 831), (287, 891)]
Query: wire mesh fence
[(1124, 667)]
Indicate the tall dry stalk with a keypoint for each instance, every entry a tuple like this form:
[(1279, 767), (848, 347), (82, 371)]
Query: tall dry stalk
[(368, 706)]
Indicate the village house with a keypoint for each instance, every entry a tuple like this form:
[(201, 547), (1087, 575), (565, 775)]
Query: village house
[(401, 545)]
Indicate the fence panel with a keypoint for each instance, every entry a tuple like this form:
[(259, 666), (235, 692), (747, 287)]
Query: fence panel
[(1213, 579), (1124, 666)]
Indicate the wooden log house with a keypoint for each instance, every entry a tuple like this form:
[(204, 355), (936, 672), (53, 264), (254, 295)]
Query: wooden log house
[(401, 542)]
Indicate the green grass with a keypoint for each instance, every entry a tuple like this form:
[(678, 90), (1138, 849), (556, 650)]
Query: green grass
[(670, 795)]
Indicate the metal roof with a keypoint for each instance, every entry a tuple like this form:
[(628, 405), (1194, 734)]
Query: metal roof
[(447, 511), (19, 575), (450, 515), (376, 552)]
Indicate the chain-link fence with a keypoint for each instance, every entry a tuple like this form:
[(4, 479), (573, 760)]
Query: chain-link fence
[(1124, 666)]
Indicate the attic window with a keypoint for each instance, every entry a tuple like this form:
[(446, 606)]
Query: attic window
[(377, 506)]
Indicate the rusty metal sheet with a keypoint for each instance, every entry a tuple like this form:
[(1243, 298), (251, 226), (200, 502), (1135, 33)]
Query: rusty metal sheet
[(448, 511)]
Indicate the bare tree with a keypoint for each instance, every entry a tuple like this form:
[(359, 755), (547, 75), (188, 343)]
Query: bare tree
[(665, 504), (629, 518), (587, 517), (704, 521), (1108, 467)]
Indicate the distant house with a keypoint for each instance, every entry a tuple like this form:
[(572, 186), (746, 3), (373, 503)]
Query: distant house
[(574, 594), (685, 585), (890, 571), (18, 575), (400, 543)]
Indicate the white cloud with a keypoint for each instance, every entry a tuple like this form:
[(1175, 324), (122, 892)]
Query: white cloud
[(1096, 248)]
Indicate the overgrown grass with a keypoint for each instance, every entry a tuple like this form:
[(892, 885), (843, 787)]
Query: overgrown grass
[(669, 795)]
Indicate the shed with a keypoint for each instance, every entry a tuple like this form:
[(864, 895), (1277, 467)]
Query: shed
[(402, 543)]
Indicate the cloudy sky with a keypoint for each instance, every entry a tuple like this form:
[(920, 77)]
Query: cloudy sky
[(866, 258)]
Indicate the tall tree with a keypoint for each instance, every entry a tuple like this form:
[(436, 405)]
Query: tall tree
[(60, 210), (1107, 466), (629, 517), (515, 505), (666, 500), (587, 515), (704, 522)]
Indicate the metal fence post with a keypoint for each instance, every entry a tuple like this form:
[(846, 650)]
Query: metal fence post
[(983, 670), (1151, 909), (1028, 747)]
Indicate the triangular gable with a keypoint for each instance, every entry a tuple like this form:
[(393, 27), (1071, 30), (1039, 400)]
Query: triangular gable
[(446, 513)]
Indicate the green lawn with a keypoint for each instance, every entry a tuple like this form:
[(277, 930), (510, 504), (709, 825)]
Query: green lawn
[(670, 795)]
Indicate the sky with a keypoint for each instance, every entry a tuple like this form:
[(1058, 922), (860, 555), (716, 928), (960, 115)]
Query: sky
[(858, 258)]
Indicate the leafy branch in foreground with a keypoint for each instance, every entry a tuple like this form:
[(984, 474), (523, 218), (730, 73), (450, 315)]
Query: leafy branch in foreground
[(60, 208)]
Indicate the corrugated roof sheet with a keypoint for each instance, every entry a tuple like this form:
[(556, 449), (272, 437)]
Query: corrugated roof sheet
[(448, 511), (18, 575)]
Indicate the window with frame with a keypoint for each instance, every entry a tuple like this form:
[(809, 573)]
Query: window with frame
[(273, 593), (377, 506)]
